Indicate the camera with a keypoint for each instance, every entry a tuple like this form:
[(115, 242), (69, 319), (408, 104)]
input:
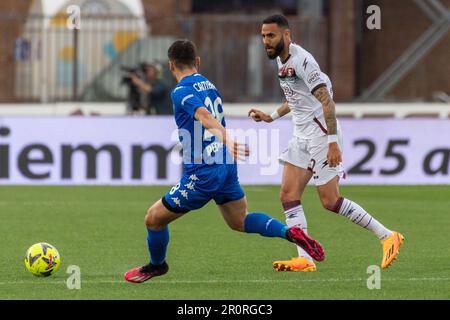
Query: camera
[(134, 96)]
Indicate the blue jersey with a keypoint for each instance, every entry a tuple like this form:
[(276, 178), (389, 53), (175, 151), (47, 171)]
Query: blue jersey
[(210, 172), (200, 147)]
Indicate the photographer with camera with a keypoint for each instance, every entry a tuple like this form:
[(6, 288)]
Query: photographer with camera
[(155, 89)]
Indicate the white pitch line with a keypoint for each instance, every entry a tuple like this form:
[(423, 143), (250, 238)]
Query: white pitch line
[(230, 281)]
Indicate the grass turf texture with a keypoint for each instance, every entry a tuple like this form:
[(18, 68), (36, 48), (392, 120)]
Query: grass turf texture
[(101, 230)]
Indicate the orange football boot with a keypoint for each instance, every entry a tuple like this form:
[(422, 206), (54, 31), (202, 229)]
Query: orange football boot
[(295, 264), (391, 246)]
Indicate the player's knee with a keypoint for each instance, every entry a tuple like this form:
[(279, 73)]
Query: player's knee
[(329, 203), (151, 220), (287, 196), (148, 218), (237, 224)]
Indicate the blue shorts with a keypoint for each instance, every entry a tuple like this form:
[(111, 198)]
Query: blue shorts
[(218, 182)]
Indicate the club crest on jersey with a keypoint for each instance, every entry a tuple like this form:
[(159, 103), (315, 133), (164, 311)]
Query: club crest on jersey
[(287, 73)]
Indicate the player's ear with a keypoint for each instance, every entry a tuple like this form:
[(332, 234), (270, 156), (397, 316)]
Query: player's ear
[(197, 62), (287, 33)]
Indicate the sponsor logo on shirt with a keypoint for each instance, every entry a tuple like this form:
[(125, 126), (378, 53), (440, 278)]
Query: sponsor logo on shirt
[(313, 77)]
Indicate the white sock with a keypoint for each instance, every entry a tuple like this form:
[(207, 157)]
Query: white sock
[(295, 217), (358, 215)]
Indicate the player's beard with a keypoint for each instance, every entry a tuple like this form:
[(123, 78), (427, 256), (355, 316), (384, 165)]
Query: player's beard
[(278, 49)]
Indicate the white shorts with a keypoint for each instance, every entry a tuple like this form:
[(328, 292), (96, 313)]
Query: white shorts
[(311, 154)]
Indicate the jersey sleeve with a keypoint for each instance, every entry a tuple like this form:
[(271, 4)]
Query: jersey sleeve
[(309, 71), (186, 99)]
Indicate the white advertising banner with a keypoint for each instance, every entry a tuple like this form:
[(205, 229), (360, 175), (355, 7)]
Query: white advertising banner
[(145, 151)]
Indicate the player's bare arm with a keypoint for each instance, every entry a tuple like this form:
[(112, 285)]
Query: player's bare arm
[(239, 151), (329, 111), (258, 115)]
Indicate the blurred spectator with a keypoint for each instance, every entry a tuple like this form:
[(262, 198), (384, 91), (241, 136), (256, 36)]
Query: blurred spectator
[(156, 90)]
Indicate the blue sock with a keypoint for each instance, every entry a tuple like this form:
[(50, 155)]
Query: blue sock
[(265, 225), (157, 242)]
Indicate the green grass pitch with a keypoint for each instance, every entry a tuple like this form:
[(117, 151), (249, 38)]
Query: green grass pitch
[(101, 230)]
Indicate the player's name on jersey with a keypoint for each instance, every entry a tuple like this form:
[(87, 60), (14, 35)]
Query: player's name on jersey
[(204, 85)]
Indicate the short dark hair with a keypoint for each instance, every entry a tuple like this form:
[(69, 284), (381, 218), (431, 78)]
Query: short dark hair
[(279, 19), (182, 53)]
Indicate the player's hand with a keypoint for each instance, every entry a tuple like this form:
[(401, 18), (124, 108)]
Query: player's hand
[(258, 115), (334, 155), (239, 151)]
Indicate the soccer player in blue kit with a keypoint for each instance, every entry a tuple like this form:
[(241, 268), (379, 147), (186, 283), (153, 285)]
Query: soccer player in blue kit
[(210, 169)]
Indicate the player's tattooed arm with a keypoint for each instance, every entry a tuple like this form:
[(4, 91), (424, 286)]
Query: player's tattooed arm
[(334, 155), (329, 109)]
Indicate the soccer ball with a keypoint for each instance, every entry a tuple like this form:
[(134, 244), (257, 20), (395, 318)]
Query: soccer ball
[(42, 259)]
